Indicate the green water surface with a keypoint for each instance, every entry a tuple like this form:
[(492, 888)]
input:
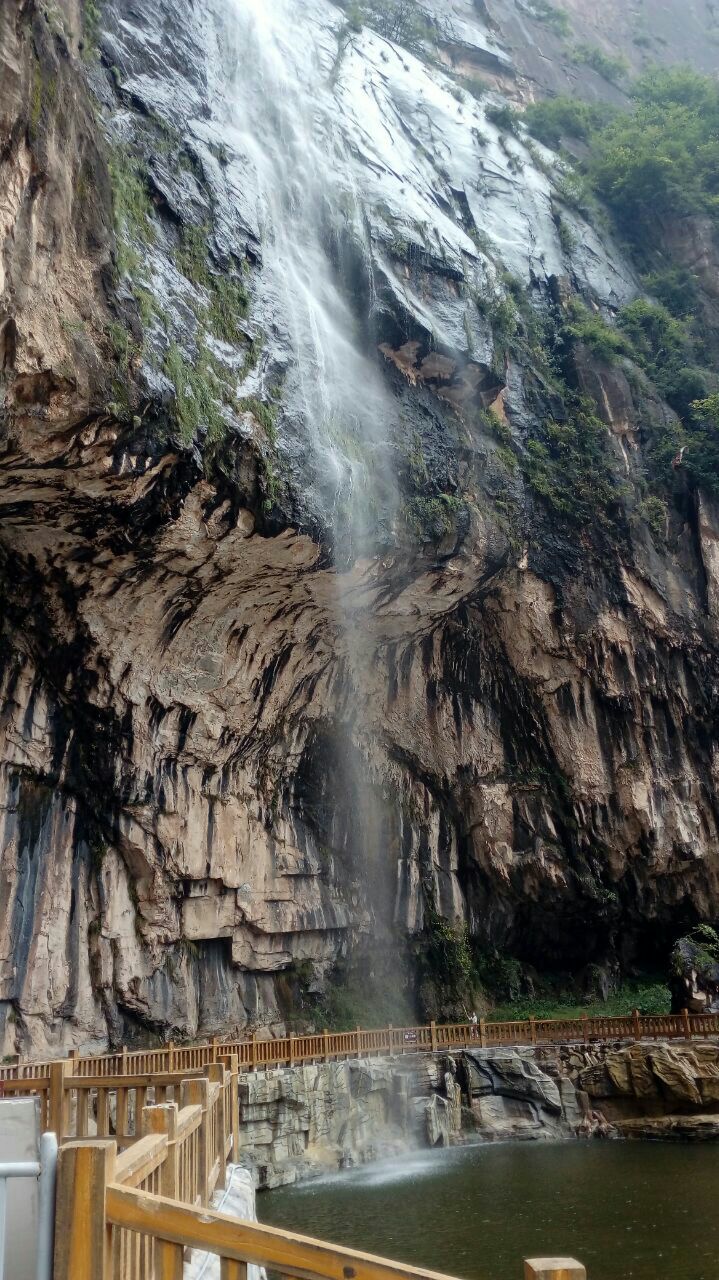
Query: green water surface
[(649, 1211)]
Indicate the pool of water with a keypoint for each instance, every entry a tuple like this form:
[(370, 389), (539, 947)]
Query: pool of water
[(649, 1211)]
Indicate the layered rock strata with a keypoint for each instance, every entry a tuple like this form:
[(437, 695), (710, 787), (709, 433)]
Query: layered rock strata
[(298, 1122), (183, 716)]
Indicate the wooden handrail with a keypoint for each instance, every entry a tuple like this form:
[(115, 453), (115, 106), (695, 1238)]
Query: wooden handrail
[(136, 1164), (120, 1218), (115, 1071), (189, 1119), (293, 1255)]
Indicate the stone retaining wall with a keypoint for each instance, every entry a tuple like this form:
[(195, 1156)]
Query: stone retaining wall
[(298, 1121)]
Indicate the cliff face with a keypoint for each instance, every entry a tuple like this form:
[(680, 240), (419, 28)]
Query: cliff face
[(244, 746)]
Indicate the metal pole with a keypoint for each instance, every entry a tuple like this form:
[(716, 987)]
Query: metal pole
[(3, 1204), (48, 1163)]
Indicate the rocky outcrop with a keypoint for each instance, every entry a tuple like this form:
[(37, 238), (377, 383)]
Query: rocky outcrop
[(656, 1077), (299, 1121), (512, 1096), (657, 1090), (695, 972), (195, 709)]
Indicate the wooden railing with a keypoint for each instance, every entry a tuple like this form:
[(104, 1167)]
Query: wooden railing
[(178, 1155), (118, 1219), (75, 1106), (76, 1092), (133, 1198)]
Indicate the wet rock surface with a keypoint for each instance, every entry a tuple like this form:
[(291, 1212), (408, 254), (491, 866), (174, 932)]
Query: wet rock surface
[(182, 715), (654, 1080), (298, 1122)]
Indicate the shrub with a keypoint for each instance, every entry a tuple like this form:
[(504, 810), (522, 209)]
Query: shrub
[(229, 299), (702, 455), (675, 288), (663, 347), (553, 119), (567, 464), (553, 16), (504, 118), (398, 20), (432, 518), (654, 512), (590, 328), (90, 27), (662, 157), (613, 69), (445, 960)]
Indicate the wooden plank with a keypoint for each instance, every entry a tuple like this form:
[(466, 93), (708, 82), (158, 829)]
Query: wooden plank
[(138, 1162), (240, 1241), (196, 1093), (553, 1269), (83, 1107), (189, 1119), (169, 1261), (121, 1113), (232, 1270), (58, 1072), (82, 1238), (163, 1119), (146, 1080), (103, 1113)]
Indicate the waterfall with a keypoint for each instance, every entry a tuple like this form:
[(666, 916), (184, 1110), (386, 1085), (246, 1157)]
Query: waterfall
[(280, 68), (314, 300)]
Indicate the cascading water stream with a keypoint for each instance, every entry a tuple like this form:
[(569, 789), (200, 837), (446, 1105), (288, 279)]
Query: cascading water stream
[(336, 415), (282, 120)]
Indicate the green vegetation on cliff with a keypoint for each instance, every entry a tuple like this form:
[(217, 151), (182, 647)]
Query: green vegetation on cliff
[(649, 997), (655, 168)]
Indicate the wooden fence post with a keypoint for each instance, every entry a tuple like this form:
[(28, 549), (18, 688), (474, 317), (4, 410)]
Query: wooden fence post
[(585, 1028), (163, 1119), (216, 1075), (253, 1052), (358, 1035), (195, 1093), (637, 1024), (482, 1032), (687, 1024), (57, 1107), (235, 1104), (533, 1030), (553, 1269), (232, 1063), (433, 1035), (170, 1057), (83, 1240)]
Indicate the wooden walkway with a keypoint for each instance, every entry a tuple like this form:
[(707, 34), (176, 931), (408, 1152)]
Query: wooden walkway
[(74, 1087), (145, 1137)]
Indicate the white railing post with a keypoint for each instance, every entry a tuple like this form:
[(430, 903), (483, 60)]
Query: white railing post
[(553, 1269), (3, 1217), (48, 1178)]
